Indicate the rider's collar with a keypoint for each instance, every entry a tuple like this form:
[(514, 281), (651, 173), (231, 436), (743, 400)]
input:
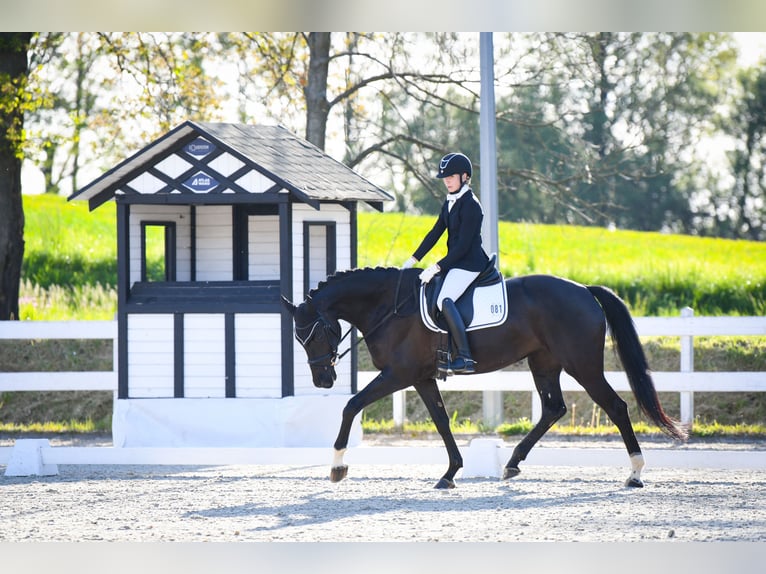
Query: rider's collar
[(453, 197)]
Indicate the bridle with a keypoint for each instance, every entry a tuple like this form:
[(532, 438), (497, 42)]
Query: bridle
[(324, 325), (321, 325)]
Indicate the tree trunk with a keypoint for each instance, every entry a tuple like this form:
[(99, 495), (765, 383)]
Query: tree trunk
[(317, 106), (13, 74)]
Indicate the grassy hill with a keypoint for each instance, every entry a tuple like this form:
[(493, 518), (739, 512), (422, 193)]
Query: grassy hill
[(69, 267), (656, 273)]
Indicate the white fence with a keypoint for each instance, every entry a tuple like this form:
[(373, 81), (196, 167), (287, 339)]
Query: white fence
[(60, 381), (686, 381)]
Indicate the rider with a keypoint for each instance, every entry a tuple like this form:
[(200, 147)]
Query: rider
[(461, 217)]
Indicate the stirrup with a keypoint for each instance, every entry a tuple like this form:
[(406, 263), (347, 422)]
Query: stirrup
[(446, 366), (463, 365)]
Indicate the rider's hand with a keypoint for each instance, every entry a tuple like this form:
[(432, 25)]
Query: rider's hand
[(409, 263), (429, 273)]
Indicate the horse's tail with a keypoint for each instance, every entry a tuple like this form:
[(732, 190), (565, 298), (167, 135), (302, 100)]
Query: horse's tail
[(625, 339)]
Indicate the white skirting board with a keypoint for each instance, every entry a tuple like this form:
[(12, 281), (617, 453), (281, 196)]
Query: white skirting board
[(307, 421)]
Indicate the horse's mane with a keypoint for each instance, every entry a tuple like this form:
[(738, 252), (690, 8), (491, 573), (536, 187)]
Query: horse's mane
[(340, 275), (401, 283)]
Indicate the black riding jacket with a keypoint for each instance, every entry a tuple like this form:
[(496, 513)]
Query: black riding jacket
[(463, 226)]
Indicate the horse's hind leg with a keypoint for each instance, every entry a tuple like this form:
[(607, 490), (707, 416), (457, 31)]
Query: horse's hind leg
[(546, 372), (429, 393), (615, 408)]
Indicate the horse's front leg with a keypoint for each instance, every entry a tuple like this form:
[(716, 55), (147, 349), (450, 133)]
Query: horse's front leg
[(382, 385), (429, 393)]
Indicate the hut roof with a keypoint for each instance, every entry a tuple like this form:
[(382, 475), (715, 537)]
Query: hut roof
[(293, 165)]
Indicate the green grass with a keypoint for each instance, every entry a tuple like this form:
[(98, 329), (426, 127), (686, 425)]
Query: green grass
[(522, 426), (58, 427), (657, 274), (69, 269)]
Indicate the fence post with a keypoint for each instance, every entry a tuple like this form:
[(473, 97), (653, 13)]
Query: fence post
[(400, 408), (492, 407), (687, 366)]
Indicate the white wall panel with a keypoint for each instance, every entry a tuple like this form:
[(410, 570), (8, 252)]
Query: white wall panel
[(147, 183), (214, 243), (263, 247), (204, 355), (258, 351), (255, 182), (150, 355), (173, 166), (226, 164)]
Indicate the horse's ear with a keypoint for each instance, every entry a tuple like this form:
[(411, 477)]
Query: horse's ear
[(288, 305)]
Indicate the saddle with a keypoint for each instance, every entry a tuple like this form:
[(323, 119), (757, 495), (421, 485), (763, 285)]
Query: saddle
[(482, 305)]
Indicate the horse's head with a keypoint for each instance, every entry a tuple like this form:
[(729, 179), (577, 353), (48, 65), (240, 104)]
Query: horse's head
[(319, 336)]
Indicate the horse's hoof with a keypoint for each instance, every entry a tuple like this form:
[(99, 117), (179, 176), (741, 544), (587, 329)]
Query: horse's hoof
[(634, 483), (510, 472), (338, 473), (445, 483)]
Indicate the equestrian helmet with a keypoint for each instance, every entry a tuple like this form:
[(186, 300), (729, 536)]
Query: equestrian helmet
[(453, 163)]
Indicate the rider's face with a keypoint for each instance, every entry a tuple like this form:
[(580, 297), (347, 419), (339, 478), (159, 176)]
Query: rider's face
[(453, 182)]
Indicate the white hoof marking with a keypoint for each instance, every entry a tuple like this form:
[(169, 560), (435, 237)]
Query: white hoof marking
[(637, 464)]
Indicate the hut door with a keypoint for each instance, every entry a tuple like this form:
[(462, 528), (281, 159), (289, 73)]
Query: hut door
[(319, 254)]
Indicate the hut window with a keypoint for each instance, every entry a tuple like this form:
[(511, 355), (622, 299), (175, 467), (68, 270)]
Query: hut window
[(158, 251), (319, 259)]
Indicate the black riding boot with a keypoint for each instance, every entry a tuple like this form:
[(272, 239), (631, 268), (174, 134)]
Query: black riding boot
[(463, 363)]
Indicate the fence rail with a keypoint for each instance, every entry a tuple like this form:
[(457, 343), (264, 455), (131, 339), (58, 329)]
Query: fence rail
[(61, 380), (686, 381)]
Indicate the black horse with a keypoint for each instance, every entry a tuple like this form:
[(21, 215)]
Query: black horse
[(553, 322)]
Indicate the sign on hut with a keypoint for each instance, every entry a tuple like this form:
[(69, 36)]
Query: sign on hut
[(214, 223)]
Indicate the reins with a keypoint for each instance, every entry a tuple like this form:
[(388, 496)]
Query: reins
[(380, 323)]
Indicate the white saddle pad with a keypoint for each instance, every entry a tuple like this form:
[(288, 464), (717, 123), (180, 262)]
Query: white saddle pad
[(490, 308)]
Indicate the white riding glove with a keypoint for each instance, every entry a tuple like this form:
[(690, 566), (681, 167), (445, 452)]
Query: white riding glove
[(429, 273), (409, 263)]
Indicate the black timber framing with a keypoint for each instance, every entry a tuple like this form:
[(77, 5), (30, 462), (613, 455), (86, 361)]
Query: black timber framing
[(179, 376), (231, 356), (123, 288), (193, 238), (352, 208), (286, 291)]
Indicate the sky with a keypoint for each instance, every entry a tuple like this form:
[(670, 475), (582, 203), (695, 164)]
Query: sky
[(752, 47)]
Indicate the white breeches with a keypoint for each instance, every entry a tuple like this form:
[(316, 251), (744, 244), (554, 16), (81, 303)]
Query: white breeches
[(455, 284)]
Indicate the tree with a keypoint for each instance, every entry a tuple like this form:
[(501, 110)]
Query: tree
[(604, 124), (162, 81), (312, 76), (741, 213), (66, 104), (13, 76), (103, 94)]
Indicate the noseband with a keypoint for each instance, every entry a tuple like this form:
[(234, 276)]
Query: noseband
[(330, 333)]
